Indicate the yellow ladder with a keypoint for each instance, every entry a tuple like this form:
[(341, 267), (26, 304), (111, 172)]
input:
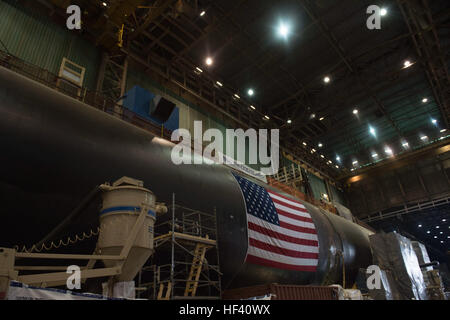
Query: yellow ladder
[(161, 289), (196, 269)]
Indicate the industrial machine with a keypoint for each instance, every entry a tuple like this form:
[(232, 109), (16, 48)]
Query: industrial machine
[(124, 244), (47, 137)]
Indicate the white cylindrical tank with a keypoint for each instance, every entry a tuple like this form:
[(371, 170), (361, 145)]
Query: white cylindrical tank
[(122, 204)]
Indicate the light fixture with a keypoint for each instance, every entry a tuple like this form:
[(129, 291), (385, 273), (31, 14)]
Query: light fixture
[(283, 30), (250, 92), (209, 61), (320, 145), (202, 13), (405, 144), (289, 121), (388, 151), (352, 169), (442, 241), (443, 130), (313, 115), (435, 237), (441, 232), (326, 79), (406, 64), (252, 107), (322, 156), (428, 231), (355, 111), (337, 167), (338, 158), (304, 143), (437, 227), (434, 121), (219, 83), (424, 100), (443, 220), (313, 150), (236, 96), (266, 117), (355, 162), (374, 155), (329, 162), (423, 138), (383, 12), (104, 4), (322, 118), (372, 131), (420, 226), (198, 69)]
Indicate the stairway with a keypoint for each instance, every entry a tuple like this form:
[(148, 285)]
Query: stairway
[(196, 269)]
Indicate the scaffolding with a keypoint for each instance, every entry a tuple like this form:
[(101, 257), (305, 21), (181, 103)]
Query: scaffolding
[(185, 264)]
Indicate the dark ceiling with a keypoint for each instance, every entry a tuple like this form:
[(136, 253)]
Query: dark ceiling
[(327, 38)]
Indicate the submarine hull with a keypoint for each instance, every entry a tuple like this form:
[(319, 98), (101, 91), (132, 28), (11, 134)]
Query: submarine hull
[(54, 149)]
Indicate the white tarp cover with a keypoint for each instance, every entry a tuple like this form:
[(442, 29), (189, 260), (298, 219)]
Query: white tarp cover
[(20, 291)]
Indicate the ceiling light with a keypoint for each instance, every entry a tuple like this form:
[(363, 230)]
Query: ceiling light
[(420, 226), (388, 150), (423, 138), (441, 232), (406, 64), (320, 144), (355, 111), (443, 130), (313, 150), (338, 158), (443, 220), (405, 144), (266, 117), (435, 237), (209, 61), (442, 241), (383, 12), (322, 156), (428, 231), (250, 92), (374, 155), (437, 227), (202, 13), (337, 167), (424, 100), (326, 79), (104, 4), (434, 121), (304, 143), (322, 118), (236, 96), (253, 107), (355, 162), (289, 121), (219, 83), (198, 69), (372, 131), (352, 169), (313, 115), (329, 162)]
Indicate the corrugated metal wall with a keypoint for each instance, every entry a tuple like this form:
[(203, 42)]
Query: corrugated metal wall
[(38, 41)]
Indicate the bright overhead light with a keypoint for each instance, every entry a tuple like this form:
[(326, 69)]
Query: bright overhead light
[(337, 167), (320, 144), (443, 130), (388, 150), (420, 226), (435, 237), (405, 144), (322, 156), (338, 158), (329, 162), (236, 96), (443, 220), (266, 117), (383, 12), (406, 64), (441, 232), (289, 121), (374, 155), (355, 162), (433, 121), (355, 111), (424, 100), (304, 143), (428, 231), (423, 138), (283, 30), (437, 227), (198, 69), (219, 83), (321, 118), (250, 92), (372, 131), (253, 107), (202, 13), (104, 4), (313, 115), (313, 150), (326, 79), (209, 61)]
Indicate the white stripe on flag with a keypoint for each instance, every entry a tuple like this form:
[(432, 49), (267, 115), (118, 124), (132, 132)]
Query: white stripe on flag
[(296, 222), (292, 203), (288, 232), (280, 243), (281, 258)]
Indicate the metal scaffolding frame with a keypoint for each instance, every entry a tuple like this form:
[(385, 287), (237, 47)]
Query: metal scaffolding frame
[(185, 264)]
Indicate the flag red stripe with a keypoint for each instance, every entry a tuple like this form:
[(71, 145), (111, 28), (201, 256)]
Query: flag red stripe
[(280, 236), (294, 216), (274, 264), (289, 205), (297, 228), (282, 251), (280, 195)]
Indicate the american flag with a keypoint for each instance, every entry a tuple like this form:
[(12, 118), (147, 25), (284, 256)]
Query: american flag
[(281, 233)]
